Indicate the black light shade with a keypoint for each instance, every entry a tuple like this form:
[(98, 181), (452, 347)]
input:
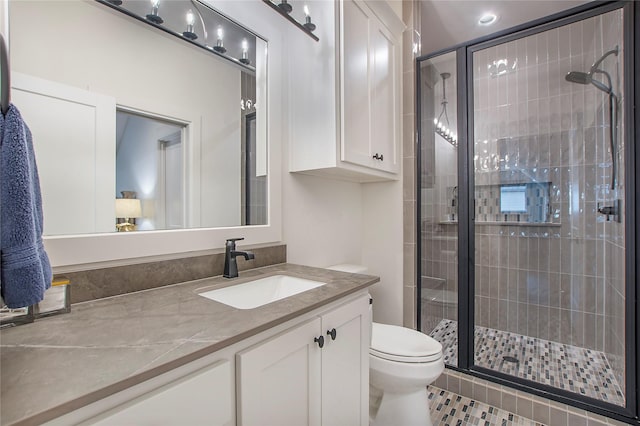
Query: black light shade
[(190, 35), (285, 7), (155, 19), (309, 25), (115, 2)]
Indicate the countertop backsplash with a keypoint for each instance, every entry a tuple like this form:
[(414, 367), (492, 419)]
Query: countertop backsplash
[(112, 281)]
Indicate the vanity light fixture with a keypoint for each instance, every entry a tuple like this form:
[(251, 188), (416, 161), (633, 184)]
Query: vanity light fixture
[(308, 24), (153, 16), (219, 47), (190, 21), (285, 7), (487, 19), (245, 52), (442, 128)]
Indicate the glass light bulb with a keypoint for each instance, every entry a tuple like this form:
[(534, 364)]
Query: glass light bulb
[(435, 121), (220, 33), (446, 132), (439, 125), (245, 45), (306, 10), (155, 3), (190, 17)]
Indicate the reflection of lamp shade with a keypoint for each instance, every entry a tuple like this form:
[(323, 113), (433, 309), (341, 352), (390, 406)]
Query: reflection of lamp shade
[(128, 208)]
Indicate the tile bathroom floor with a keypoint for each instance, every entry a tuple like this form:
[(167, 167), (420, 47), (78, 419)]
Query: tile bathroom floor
[(450, 409), (572, 368)]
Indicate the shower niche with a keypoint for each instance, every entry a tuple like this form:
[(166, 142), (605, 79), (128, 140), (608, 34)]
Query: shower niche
[(517, 203)]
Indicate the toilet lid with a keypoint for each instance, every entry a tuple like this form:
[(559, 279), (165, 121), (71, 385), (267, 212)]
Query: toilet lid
[(403, 344)]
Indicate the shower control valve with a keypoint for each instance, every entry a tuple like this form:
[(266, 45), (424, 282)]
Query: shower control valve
[(611, 212)]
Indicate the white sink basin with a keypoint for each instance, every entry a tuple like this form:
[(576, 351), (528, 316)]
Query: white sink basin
[(259, 292)]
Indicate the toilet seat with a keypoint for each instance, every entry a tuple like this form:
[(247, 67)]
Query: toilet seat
[(403, 344)]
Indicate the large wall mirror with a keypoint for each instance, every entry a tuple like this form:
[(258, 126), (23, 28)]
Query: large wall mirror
[(135, 125)]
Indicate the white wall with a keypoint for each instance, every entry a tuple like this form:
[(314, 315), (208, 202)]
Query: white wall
[(327, 221)]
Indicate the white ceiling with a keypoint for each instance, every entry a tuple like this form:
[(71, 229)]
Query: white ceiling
[(446, 23)]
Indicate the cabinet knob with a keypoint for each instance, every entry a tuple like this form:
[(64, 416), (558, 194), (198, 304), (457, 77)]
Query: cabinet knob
[(319, 340), (332, 333), (378, 157)]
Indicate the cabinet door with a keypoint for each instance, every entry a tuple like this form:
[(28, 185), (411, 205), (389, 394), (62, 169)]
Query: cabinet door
[(345, 365), (370, 89), (203, 397), (384, 99), (279, 380), (356, 100)]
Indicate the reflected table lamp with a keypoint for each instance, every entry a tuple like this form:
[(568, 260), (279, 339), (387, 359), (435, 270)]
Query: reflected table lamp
[(127, 209)]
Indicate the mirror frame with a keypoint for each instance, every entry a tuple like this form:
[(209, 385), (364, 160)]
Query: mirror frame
[(90, 251)]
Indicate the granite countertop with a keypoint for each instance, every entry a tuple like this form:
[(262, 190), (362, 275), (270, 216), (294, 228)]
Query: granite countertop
[(61, 363)]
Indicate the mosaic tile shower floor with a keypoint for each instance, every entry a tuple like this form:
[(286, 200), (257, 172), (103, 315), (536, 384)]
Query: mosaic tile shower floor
[(450, 409), (575, 369)]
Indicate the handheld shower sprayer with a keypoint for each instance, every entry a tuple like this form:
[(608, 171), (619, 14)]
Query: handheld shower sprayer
[(607, 87), (587, 77)]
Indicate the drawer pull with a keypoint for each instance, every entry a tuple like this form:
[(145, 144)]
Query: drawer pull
[(332, 333), (319, 340)]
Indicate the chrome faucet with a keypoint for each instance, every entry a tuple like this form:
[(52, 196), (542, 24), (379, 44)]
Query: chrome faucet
[(230, 263)]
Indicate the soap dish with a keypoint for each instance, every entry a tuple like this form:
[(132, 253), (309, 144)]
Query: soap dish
[(57, 300)]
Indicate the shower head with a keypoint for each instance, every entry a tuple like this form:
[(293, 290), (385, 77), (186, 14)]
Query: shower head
[(587, 77), (578, 77)]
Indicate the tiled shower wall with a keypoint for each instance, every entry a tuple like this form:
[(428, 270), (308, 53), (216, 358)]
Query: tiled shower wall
[(563, 281), (410, 38)]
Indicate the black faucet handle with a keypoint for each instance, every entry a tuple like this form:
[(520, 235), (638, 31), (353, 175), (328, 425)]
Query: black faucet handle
[(231, 242)]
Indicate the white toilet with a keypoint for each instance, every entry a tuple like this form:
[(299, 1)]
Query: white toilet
[(402, 362)]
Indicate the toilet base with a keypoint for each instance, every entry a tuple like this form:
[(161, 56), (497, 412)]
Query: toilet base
[(407, 409)]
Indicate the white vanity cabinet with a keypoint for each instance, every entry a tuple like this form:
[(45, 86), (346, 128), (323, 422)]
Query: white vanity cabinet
[(291, 380), (280, 376), (198, 393), (346, 97)]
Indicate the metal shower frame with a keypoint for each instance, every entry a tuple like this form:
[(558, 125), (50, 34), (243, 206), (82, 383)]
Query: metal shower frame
[(466, 228)]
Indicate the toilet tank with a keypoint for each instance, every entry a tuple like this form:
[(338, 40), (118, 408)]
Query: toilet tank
[(356, 269), (350, 268)]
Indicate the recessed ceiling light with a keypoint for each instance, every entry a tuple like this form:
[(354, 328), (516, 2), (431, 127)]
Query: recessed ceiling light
[(487, 19)]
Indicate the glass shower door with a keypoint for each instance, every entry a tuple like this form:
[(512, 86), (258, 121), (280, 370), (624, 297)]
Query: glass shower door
[(438, 194), (548, 223)]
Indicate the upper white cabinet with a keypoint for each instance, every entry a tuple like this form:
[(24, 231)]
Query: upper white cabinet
[(345, 93)]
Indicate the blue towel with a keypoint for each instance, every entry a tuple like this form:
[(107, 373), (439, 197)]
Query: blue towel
[(25, 271)]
